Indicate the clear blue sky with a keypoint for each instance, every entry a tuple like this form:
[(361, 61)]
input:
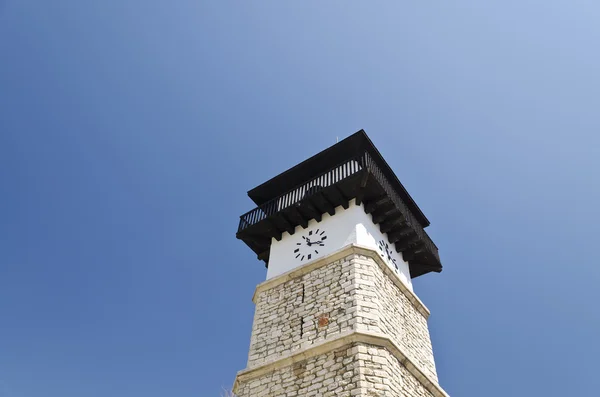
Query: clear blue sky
[(131, 130)]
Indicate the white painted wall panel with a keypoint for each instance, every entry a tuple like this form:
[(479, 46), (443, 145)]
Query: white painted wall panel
[(351, 226)]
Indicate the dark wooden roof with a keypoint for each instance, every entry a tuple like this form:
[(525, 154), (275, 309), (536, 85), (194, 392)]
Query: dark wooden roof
[(353, 145)]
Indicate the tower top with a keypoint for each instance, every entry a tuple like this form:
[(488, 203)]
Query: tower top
[(352, 169)]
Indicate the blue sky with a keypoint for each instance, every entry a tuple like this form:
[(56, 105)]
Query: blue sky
[(131, 130)]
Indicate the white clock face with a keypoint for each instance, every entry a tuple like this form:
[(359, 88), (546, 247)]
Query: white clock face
[(386, 253), (309, 244)]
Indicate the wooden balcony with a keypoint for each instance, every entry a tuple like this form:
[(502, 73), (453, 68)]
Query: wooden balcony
[(359, 177)]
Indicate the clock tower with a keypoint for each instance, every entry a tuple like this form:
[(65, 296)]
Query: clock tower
[(337, 315)]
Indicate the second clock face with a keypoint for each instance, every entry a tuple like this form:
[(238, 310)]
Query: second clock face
[(386, 252), (309, 244)]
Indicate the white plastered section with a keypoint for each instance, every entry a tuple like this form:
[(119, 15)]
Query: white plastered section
[(347, 226)]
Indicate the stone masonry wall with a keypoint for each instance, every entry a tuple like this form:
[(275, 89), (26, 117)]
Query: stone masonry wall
[(398, 317), (335, 373), (357, 369), (300, 312), (382, 375), (349, 294)]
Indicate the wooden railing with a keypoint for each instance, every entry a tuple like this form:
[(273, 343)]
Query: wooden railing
[(399, 203), (331, 177)]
